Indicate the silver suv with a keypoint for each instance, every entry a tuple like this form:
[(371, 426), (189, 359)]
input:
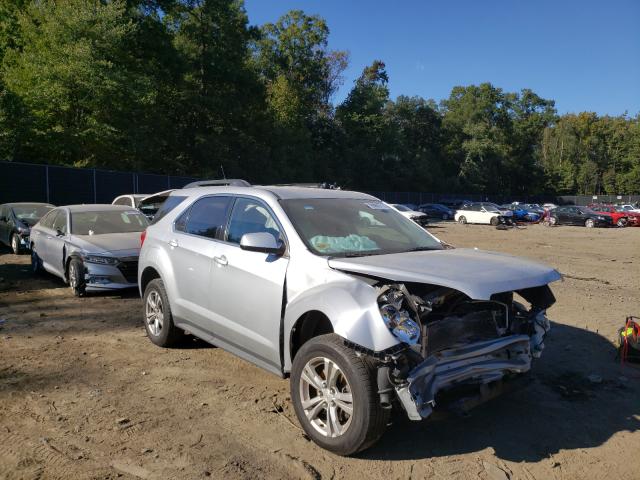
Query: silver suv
[(362, 308)]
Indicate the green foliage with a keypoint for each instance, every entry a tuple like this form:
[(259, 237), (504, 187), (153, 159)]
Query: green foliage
[(187, 87)]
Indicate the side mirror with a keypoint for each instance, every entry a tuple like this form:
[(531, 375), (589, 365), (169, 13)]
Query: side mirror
[(261, 242), (59, 233)]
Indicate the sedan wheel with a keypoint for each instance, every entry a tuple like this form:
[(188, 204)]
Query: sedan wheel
[(462, 219), (76, 277), (326, 397), (154, 313), (15, 244), (589, 223), (622, 222)]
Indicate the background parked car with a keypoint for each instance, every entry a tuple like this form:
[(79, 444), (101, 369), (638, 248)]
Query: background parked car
[(16, 220), (150, 205), (571, 215), (479, 213), (437, 210), (130, 200), (520, 213), (91, 247), (420, 218), (619, 216)]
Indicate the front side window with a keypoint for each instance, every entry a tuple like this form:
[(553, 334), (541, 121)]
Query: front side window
[(123, 201), (206, 217), (60, 222), (250, 216), (355, 227), (47, 220), (111, 221)]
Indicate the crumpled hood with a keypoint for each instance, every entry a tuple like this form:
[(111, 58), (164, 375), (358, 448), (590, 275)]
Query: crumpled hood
[(478, 274), (118, 244)]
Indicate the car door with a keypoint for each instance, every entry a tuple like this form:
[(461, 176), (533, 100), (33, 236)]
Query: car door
[(247, 287), (56, 236), (194, 245), (574, 216)]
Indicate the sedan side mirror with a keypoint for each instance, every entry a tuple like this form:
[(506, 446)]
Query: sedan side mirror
[(263, 242)]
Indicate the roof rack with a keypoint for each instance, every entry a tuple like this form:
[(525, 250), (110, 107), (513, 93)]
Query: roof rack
[(234, 182), (325, 185)]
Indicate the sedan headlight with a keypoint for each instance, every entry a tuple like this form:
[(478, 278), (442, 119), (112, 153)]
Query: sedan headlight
[(100, 259), (22, 230)]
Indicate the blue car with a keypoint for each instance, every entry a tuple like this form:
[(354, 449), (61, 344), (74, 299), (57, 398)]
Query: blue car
[(521, 214)]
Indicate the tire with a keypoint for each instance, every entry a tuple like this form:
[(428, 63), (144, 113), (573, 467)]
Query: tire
[(589, 223), (354, 378), (36, 262), (462, 219), (15, 244), (553, 221), (156, 313), (494, 221), (75, 276), (622, 222)]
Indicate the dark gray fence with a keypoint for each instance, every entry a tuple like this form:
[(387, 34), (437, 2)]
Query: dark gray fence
[(24, 182), (65, 186)]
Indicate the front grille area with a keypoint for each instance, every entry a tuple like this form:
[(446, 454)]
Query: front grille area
[(129, 269)]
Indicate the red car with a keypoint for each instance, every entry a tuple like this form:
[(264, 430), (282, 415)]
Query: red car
[(620, 217)]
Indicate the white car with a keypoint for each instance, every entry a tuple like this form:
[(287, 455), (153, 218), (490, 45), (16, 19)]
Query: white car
[(129, 200), (420, 218), (478, 213), (630, 208)]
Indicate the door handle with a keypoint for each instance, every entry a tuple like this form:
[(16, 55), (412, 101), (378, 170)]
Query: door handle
[(173, 243), (222, 260)]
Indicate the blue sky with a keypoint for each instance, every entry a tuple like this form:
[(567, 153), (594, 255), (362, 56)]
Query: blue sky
[(583, 54)]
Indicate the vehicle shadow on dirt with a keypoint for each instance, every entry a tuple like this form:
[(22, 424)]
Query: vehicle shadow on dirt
[(13, 276), (577, 399)]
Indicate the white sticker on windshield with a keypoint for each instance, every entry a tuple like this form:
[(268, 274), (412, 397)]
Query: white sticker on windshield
[(377, 206)]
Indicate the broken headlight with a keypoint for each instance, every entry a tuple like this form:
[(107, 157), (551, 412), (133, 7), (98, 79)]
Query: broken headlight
[(397, 319)]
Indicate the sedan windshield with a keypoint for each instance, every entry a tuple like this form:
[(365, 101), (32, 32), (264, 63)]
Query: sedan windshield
[(355, 227), (401, 208), (100, 223), (31, 212)]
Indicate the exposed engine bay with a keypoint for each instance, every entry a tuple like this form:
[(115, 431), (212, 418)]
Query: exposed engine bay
[(452, 341)]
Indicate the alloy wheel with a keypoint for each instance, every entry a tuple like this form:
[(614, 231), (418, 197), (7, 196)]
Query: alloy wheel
[(326, 397), (73, 276), (154, 313), (15, 244)]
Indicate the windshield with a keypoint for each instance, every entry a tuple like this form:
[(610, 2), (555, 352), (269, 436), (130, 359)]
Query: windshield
[(402, 208), (354, 227), (31, 212), (586, 210), (100, 223)]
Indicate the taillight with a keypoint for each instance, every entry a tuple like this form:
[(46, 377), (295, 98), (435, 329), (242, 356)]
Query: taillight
[(143, 235)]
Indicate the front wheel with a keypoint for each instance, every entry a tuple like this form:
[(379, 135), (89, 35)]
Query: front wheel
[(462, 219), (76, 278), (15, 244), (334, 393), (36, 263), (494, 221), (622, 222), (589, 223)]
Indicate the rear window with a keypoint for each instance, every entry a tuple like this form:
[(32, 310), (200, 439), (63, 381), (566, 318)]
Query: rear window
[(164, 208)]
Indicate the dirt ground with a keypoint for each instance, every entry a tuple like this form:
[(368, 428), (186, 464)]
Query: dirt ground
[(84, 394)]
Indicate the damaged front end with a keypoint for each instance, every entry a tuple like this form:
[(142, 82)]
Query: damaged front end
[(453, 342)]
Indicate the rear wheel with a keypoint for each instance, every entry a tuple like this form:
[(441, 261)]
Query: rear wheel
[(15, 244), (589, 223), (462, 219), (334, 394), (75, 274), (622, 222), (494, 221), (158, 321)]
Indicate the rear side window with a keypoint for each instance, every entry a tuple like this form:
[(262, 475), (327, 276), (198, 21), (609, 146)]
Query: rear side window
[(169, 204), (207, 217)]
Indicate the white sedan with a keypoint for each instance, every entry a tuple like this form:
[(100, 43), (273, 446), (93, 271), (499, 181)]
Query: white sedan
[(478, 213), (419, 217)]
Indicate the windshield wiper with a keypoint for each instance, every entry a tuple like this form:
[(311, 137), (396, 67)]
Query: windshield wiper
[(420, 249), (361, 254)]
